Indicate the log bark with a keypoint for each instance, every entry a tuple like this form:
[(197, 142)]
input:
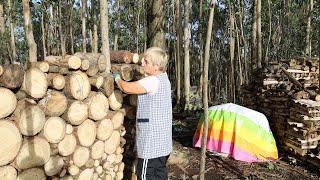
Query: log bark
[(54, 165), (115, 100), (80, 156), (69, 61), (112, 143), (96, 60), (54, 103), (8, 102), (98, 105), (35, 83), (67, 145), (87, 133), (117, 120), (11, 140), (77, 112), (105, 129), (78, 85), (31, 120), (123, 56), (8, 173), (54, 129), (12, 76), (34, 152), (58, 69), (56, 81), (31, 174)]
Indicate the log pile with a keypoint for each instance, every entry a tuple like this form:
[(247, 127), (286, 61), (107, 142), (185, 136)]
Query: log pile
[(63, 118), (288, 94)]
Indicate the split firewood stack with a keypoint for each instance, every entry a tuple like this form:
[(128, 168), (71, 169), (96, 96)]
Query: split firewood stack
[(288, 94), (63, 118)]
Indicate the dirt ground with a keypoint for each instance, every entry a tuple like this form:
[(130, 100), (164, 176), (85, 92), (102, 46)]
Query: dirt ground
[(186, 161)]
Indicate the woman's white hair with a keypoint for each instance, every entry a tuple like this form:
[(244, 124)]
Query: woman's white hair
[(158, 57)]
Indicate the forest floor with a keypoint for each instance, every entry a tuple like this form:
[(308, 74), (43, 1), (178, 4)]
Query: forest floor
[(186, 161)]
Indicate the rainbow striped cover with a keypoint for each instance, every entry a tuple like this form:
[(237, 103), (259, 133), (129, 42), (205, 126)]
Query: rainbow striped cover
[(242, 133)]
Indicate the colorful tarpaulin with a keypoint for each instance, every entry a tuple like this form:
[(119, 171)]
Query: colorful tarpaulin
[(242, 133)]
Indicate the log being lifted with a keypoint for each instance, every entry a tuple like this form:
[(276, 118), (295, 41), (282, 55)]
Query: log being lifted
[(123, 56), (125, 70), (12, 76), (10, 141), (35, 83), (8, 102)]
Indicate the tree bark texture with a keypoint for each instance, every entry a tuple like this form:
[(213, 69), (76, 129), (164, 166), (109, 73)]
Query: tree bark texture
[(105, 32), (186, 34), (29, 31)]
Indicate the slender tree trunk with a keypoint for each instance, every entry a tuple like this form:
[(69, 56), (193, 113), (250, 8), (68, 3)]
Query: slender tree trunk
[(29, 32), (95, 27), (155, 23), (259, 35), (145, 26), (12, 37), (83, 17), (266, 57), (70, 27), (232, 48), (178, 50), (308, 38), (205, 92), (43, 35), (138, 26), (241, 79), (61, 33), (186, 53), (105, 32), (116, 36), (201, 47), (254, 57), (1, 19), (243, 40)]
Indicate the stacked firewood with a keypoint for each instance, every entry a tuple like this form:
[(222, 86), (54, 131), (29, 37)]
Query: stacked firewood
[(62, 118), (288, 94)]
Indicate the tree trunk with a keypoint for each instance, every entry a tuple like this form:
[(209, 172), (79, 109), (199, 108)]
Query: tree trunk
[(266, 57), (138, 25), (70, 27), (115, 48), (83, 17), (254, 57), (13, 41), (145, 26), (205, 92), (308, 35), (105, 32), (186, 35), (232, 49), (43, 35), (1, 19), (155, 23), (178, 50), (259, 35), (61, 33), (95, 27), (29, 31), (201, 47)]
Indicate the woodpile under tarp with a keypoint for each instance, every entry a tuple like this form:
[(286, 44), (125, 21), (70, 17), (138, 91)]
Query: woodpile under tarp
[(288, 94), (63, 118)]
